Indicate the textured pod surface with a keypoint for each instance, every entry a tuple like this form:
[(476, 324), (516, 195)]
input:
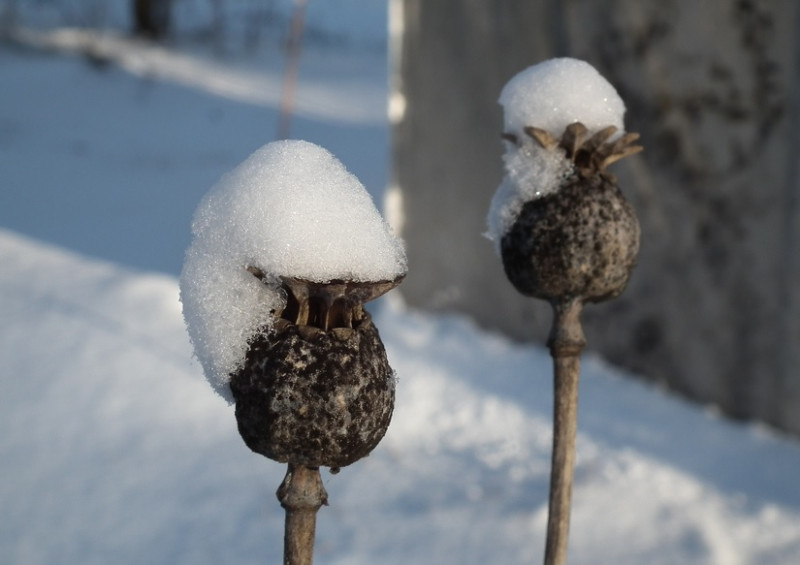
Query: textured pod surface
[(313, 397), (579, 242)]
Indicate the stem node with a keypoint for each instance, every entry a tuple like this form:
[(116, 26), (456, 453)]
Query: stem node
[(301, 494)]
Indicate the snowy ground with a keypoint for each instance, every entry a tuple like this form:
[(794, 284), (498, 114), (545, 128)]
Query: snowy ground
[(115, 450)]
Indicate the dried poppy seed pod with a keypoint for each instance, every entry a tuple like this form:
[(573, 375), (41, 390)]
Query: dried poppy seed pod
[(581, 240), (317, 389)]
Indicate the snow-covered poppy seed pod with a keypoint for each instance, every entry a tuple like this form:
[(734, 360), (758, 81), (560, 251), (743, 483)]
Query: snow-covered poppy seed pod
[(287, 248), (561, 225), (580, 240)]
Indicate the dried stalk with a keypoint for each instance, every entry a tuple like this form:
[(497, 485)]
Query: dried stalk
[(566, 343), (301, 494)]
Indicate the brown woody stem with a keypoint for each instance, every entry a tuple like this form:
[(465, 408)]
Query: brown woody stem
[(566, 343), (301, 494)]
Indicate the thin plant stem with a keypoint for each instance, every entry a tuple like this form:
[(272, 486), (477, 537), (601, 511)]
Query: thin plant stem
[(566, 343), (301, 494), (292, 68)]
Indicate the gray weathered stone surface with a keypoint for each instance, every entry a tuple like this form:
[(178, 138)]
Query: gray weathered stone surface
[(713, 308)]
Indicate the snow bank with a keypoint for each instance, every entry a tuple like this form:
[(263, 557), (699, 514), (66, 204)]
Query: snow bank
[(291, 209), (113, 450), (550, 96)]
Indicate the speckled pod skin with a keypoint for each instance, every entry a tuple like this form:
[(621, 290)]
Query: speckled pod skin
[(312, 397), (579, 242)]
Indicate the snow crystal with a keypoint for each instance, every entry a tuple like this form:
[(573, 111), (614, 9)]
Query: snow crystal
[(531, 171), (549, 96), (290, 209)]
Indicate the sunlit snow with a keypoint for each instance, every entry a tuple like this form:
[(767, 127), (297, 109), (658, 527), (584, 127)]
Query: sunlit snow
[(555, 93)]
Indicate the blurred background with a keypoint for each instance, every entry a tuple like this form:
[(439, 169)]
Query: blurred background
[(713, 310)]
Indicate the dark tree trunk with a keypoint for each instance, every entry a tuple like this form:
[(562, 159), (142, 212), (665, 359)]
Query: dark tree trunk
[(151, 18)]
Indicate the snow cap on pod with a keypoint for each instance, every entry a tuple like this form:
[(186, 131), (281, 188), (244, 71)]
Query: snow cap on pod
[(550, 96), (555, 93), (290, 210)]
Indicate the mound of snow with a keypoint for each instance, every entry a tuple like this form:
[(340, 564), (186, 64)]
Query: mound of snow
[(557, 92)]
